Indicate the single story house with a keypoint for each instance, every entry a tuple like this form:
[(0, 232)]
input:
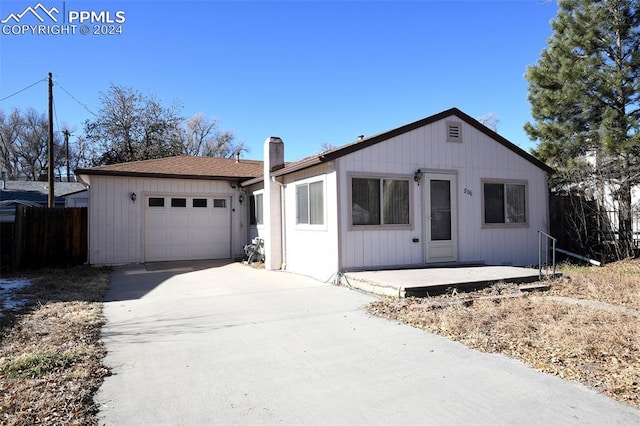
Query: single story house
[(444, 189)]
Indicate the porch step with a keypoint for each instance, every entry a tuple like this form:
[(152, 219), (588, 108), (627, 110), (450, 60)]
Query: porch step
[(462, 287), (434, 281)]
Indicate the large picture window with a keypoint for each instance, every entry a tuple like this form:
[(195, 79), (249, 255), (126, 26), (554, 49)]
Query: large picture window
[(310, 203), (505, 203), (377, 201), (255, 210)]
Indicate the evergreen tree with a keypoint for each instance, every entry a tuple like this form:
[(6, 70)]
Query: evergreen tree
[(585, 97)]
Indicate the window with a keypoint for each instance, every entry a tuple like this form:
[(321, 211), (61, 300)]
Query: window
[(255, 210), (156, 202), (379, 201), (219, 203), (505, 203), (310, 203), (199, 202), (178, 202)]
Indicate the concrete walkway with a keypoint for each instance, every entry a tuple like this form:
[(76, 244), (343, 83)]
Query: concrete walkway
[(236, 345)]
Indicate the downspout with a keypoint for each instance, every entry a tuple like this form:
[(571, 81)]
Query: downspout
[(339, 221), (283, 214)]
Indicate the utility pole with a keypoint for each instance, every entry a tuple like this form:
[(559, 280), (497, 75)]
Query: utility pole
[(51, 202), (66, 147)]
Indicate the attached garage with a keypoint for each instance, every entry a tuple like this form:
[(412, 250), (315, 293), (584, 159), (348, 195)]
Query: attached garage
[(187, 228), (175, 208)]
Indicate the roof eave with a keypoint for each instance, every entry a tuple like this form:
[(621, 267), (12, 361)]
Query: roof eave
[(90, 172), (356, 146)]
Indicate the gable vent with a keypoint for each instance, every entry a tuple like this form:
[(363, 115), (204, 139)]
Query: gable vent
[(454, 132)]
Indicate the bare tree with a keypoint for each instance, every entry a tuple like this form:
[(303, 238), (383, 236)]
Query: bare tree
[(34, 138), (326, 146), (23, 144), (132, 126), (490, 120), (24, 139), (9, 135), (201, 137)]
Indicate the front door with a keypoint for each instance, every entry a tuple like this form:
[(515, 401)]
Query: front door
[(441, 217)]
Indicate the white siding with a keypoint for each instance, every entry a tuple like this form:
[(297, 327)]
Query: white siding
[(116, 224), (477, 157), (312, 249)]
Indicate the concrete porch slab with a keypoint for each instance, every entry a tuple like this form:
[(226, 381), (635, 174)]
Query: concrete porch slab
[(420, 282)]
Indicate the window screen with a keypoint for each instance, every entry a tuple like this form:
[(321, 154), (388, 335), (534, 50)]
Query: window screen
[(310, 203), (379, 201), (504, 203)]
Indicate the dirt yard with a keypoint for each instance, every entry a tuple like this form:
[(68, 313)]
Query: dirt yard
[(50, 349), (585, 329)]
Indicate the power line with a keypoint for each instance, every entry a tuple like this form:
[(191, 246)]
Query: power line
[(73, 97), (55, 115), (22, 90)]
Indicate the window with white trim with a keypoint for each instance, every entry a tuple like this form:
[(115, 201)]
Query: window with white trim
[(379, 201), (504, 203), (310, 203)]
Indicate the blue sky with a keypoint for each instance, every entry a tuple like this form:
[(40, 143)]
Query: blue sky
[(311, 72)]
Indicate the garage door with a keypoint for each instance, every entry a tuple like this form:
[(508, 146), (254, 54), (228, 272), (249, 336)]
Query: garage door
[(187, 228)]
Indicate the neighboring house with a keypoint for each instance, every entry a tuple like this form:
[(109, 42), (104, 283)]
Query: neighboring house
[(604, 192), (12, 192), (445, 189)]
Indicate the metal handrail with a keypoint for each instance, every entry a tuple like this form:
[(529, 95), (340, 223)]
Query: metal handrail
[(543, 242)]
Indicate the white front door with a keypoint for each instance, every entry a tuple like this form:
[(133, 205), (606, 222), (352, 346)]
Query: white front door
[(441, 217)]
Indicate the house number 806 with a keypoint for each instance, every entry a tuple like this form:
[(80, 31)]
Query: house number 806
[(468, 192)]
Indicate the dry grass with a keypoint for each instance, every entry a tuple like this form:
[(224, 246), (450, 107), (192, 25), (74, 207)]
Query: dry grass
[(50, 351), (595, 346), (617, 283)]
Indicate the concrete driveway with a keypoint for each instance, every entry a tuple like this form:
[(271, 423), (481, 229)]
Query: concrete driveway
[(235, 345)]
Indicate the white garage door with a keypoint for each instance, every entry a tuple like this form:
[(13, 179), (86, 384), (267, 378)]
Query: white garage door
[(187, 228)]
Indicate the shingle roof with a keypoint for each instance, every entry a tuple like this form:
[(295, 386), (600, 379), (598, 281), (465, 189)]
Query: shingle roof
[(38, 192), (182, 167)]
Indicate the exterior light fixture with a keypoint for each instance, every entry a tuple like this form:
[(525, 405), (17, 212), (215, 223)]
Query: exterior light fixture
[(417, 176), (133, 197), (241, 198)]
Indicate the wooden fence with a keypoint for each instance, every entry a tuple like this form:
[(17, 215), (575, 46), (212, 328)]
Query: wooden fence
[(45, 237)]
